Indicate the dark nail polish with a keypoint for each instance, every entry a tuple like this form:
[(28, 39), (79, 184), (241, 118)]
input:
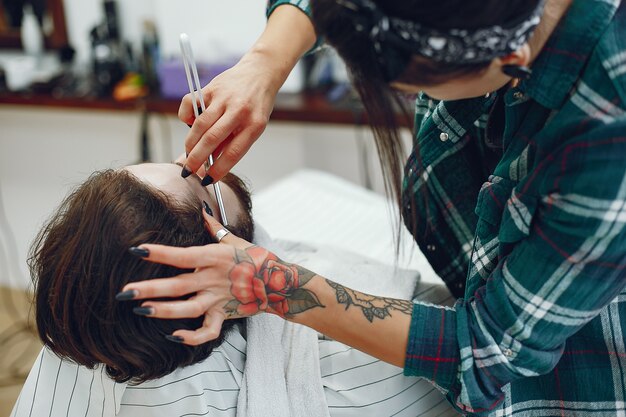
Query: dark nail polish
[(126, 295), (185, 172), (189, 125), (208, 180), (186, 154), (140, 252), (143, 311), (175, 339), (207, 208)]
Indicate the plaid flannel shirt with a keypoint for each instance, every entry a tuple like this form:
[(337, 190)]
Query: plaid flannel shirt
[(521, 198)]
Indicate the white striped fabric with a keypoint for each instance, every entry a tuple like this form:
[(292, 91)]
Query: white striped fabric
[(355, 384)]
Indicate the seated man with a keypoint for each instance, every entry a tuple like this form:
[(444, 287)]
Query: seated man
[(81, 258), (101, 359)]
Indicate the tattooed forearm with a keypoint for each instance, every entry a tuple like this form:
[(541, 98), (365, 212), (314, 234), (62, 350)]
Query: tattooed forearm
[(371, 306), (260, 281)]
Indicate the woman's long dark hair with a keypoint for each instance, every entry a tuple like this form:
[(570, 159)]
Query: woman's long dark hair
[(80, 260), (335, 24)]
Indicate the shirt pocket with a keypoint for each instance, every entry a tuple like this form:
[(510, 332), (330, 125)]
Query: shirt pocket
[(517, 217), (492, 199)]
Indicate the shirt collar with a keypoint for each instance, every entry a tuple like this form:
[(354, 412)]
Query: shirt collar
[(559, 65)]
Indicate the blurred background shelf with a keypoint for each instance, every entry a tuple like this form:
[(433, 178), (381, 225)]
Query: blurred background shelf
[(307, 107)]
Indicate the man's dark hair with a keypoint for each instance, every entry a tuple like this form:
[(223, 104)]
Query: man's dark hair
[(80, 260)]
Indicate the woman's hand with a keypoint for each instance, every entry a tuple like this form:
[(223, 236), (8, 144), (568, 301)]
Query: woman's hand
[(237, 279), (182, 158), (240, 100), (238, 106), (232, 279)]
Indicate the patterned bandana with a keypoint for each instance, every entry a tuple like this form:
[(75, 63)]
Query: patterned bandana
[(396, 39)]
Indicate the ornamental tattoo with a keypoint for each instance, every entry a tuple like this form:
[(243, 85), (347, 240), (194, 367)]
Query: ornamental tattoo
[(371, 306), (260, 281)]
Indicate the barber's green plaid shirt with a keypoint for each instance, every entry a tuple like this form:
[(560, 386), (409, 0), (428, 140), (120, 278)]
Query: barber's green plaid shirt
[(527, 223)]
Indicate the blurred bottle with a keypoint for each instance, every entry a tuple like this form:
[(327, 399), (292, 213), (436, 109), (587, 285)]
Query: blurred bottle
[(111, 19), (151, 56), (31, 34), (108, 52)]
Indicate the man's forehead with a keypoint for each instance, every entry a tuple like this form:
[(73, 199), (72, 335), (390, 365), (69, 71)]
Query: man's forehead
[(163, 177), (167, 178)]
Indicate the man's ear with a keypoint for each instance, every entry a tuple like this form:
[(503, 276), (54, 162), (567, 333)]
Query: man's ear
[(521, 57)]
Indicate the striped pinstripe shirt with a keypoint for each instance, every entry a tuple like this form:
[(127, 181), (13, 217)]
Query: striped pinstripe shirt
[(521, 201), (355, 384)]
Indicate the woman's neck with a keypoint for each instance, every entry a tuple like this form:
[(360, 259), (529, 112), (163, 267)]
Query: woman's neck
[(553, 12)]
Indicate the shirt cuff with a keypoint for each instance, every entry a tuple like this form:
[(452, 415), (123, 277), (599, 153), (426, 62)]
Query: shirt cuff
[(432, 350), (306, 9), (274, 4)]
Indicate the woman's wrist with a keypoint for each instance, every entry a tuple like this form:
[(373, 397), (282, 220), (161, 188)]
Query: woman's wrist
[(264, 59), (375, 325), (289, 34)]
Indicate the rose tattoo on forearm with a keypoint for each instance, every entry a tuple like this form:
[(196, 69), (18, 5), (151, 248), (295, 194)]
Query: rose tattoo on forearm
[(260, 281)]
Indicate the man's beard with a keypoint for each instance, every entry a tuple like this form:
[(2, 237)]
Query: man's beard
[(243, 226)]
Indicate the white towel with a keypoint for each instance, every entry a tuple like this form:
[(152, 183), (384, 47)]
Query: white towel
[(282, 373)]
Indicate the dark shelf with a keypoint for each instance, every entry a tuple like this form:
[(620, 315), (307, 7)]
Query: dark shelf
[(310, 107)]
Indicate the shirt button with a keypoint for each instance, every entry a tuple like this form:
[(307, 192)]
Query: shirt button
[(508, 352), (410, 171), (518, 95), (444, 136), (431, 248)]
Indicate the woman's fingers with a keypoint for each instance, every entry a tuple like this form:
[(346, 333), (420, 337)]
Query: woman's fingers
[(214, 134), (213, 226), (186, 113), (200, 125), (177, 286), (201, 172), (220, 148), (184, 258), (185, 110), (210, 329), (193, 307), (234, 149)]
